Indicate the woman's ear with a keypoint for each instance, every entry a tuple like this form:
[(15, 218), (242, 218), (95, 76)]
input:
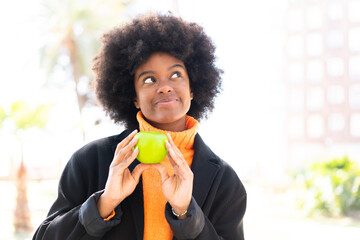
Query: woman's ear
[(136, 104), (191, 95)]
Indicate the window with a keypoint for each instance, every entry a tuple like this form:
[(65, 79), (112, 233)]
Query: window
[(355, 125), (336, 122), (353, 11), (354, 67), (315, 71), (314, 17), (315, 126), (354, 96), (335, 67), (354, 39), (315, 98), (334, 39), (335, 12), (335, 94), (314, 43)]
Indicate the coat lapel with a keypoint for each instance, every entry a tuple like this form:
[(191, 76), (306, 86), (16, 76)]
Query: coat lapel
[(136, 202), (205, 168)]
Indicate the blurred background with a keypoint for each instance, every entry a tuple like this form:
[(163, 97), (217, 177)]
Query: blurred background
[(288, 119)]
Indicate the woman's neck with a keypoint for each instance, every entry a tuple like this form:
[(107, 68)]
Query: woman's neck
[(178, 126)]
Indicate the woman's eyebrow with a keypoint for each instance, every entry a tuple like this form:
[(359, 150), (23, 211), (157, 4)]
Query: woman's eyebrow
[(152, 72), (177, 65), (144, 73)]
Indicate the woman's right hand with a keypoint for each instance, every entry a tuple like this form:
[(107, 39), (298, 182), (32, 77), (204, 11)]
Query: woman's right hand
[(121, 183)]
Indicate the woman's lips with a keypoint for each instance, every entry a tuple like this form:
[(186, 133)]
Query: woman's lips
[(165, 102)]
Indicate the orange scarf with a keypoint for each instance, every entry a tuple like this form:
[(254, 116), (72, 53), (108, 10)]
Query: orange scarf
[(155, 225)]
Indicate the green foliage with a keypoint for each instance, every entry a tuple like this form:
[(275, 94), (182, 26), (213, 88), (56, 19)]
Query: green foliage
[(24, 116), (330, 188)]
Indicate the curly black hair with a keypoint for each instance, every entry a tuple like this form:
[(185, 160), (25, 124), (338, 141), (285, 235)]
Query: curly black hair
[(126, 48)]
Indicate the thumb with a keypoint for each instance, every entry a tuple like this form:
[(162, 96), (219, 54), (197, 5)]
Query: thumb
[(162, 170), (138, 170)]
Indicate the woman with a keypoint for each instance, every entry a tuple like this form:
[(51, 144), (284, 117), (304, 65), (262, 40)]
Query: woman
[(156, 73)]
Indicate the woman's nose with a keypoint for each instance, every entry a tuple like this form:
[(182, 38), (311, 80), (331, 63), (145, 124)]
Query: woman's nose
[(165, 87)]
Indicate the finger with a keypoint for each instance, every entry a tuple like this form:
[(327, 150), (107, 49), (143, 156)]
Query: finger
[(180, 166), (170, 139), (162, 170), (172, 162), (172, 144), (138, 170), (179, 161), (175, 157), (129, 147), (168, 147), (125, 141), (126, 163), (125, 152)]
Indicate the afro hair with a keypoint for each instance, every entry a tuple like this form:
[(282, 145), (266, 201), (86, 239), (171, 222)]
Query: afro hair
[(126, 48)]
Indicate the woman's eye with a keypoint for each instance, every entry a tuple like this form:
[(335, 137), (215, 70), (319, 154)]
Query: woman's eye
[(149, 80), (176, 75)]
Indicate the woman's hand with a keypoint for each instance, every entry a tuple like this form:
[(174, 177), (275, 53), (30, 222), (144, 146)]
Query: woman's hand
[(177, 188), (121, 183)]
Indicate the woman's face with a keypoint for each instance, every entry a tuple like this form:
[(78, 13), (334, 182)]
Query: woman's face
[(163, 91)]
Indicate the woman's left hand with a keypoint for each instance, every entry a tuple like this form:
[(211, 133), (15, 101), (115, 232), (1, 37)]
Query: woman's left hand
[(177, 188)]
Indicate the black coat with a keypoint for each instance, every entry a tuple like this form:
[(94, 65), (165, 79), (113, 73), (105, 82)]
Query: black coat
[(216, 210)]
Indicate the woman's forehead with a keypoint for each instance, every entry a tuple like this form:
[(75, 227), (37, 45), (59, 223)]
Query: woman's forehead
[(159, 60)]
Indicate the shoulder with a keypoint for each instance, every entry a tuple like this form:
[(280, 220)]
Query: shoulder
[(207, 159), (91, 161), (206, 155), (100, 149), (101, 145)]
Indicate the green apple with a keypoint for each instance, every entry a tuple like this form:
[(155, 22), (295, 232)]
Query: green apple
[(151, 147)]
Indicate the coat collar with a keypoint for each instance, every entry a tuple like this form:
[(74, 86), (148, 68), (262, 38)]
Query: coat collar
[(205, 166)]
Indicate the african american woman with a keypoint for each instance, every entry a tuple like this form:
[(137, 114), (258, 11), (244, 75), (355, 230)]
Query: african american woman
[(156, 73)]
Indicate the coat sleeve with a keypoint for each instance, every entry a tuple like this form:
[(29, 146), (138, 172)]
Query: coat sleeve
[(74, 214), (220, 218)]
